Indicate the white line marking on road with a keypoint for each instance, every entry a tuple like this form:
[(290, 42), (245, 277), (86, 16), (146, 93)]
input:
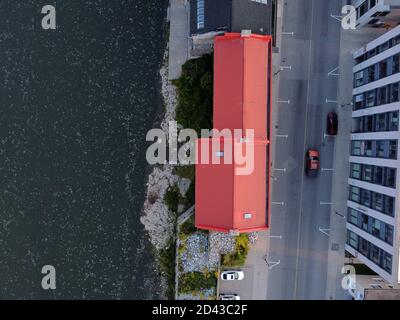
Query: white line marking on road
[(325, 231), (325, 169), (338, 18), (284, 101), (282, 136), (271, 264), (276, 237), (330, 101), (325, 203), (282, 170), (333, 72), (278, 203), (288, 33), (285, 67)]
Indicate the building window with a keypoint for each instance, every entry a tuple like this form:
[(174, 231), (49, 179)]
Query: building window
[(394, 121), (377, 201), (355, 171), (200, 14), (383, 69), (376, 228), (355, 194), (389, 206), (394, 94), (352, 216), (390, 178), (370, 98), (359, 101), (393, 149), (371, 73), (382, 95), (359, 78), (389, 234), (387, 262), (356, 148), (367, 173), (395, 64), (381, 122), (352, 239)]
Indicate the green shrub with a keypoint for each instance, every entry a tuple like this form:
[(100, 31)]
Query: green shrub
[(195, 94), (185, 172), (172, 198), (238, 257), (187, 227)]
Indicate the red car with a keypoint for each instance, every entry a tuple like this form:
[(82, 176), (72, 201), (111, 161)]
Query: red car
[(332, 124), (312, 163)]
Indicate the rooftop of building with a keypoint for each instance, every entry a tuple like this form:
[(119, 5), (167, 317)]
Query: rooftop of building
[(231, 16)]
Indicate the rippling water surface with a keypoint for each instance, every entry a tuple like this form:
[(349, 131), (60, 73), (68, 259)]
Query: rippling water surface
[(75, 105)]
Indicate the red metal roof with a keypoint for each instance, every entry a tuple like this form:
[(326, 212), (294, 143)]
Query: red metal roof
[(240, 82), (227, 201), (223, 198)]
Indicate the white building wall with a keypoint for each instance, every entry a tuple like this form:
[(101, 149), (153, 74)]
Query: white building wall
[(390, 135)]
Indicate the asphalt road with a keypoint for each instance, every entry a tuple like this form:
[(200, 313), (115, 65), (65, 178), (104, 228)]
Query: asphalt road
[(308, 56)]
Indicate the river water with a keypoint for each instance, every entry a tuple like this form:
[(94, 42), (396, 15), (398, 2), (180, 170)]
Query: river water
[(75, 106)]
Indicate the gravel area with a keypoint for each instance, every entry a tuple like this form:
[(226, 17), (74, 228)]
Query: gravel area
[(204, 295), (195, 257)]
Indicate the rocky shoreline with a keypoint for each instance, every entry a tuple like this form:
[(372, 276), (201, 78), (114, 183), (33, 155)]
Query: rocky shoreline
[(157, 219)]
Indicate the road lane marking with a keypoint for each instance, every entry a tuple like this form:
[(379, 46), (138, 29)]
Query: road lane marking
[(278, 203), (330, 101), (304, 147), (333, 72), (288, 33), (282, 136), (276, 237), (281, 170), (325, 203), (284, 101), (325, 231), (325, 169)]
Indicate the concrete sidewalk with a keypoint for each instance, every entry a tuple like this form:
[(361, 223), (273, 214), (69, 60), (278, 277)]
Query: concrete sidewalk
[(350, 41), (178, 37)]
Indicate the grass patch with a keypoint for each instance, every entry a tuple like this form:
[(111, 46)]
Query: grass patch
[(166, 260), (192, 282), (238, 257)]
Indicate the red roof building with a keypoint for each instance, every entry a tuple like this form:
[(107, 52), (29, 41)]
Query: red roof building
[(227, 200)]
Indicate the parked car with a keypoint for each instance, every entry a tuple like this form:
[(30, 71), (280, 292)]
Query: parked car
[(232, 275), (331, 124), (229, 297), (312, 163)]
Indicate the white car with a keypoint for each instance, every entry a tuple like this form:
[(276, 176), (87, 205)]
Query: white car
[(229, 297), (232, 275)]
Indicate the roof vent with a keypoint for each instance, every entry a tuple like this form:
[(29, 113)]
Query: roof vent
[(246, 33), (248, 216)]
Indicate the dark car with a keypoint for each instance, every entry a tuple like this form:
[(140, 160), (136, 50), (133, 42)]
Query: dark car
[(331, 124), (312, 163)]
